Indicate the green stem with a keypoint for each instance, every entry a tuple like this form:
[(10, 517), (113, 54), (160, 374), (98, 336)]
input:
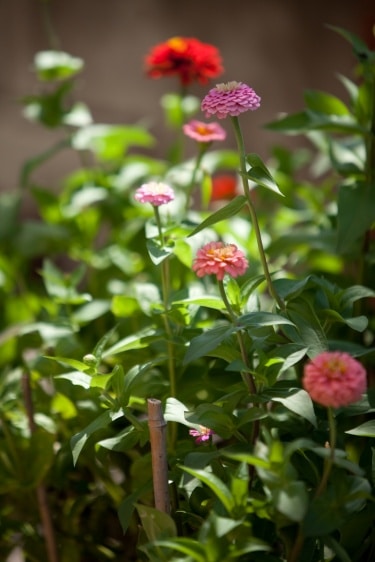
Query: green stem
[(328, 463), (189, 190), (254, 219), (165, 284), (246, 375), (297, 547)]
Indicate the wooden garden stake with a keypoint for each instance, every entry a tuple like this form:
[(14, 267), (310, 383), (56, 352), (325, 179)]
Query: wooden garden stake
[(158, 426)]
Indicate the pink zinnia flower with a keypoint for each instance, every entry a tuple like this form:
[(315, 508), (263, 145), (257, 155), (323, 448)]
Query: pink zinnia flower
[(218, 258), (156, 193), (204, 132), (231, 99), (334, 379), (201, 434)]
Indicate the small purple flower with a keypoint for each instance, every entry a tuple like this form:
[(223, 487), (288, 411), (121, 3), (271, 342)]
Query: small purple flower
[(201, 434), (231, 99), (156, 193)]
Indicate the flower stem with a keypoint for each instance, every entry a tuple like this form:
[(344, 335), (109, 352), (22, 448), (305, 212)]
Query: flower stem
[(190, 187), (159, 225), (246, 375), (328, 461), (254, 219)]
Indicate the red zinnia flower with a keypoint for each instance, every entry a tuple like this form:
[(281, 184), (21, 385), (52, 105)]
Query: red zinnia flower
[(185, 57), (224, 186), (218, 259), (334, 379)]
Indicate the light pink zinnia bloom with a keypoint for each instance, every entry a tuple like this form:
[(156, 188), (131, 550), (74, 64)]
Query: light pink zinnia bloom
[(204, 132), (203, 434), (334, 379), (218, 259), (231, 99), (156, 193)]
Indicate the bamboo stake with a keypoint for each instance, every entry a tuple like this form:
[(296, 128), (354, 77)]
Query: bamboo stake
[(157, 426)]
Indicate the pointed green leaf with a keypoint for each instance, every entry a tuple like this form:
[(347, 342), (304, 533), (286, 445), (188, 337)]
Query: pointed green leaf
[(224, 213), (215, 484)]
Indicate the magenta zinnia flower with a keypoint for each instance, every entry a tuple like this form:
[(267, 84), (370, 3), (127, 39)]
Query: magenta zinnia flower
[(156, 193), (201, 434), (204, 132), (218, 259), (231, 99), (334, 379)]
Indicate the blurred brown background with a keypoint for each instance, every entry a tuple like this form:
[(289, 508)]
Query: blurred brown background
[(279, 47)]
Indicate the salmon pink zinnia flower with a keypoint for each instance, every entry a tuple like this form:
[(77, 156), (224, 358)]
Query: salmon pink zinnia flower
[(201, 434), (334, 379), (218, 259), (185, 57), (231, 99), (204, 132), (156, 193)]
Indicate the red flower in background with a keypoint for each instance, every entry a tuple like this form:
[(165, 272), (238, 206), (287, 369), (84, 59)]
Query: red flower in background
[(224, 186), (185, 57)]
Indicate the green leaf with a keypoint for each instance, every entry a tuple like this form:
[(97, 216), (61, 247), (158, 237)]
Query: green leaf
[(56, 65), (192, 548), (156, 524), (206, 342), (292, 500), (79, 440), (299, 402), (260, 174), (259, 319), (321, 102), (360, 48), (110, 142), (208, 301), (135, 341), (224, 213), (156, 252), (356, 213), (175, 411), (366, 429), (215, 484)]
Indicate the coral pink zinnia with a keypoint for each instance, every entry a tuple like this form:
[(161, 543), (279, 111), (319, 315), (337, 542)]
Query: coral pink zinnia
[(231, 99), (185, 57), (204, 132), (156, 193), (218, 259), (334, 379)]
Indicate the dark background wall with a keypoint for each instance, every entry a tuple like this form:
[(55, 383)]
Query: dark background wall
[(279, 47)]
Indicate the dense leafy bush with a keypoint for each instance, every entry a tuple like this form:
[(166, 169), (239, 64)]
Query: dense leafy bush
[(105, 305)]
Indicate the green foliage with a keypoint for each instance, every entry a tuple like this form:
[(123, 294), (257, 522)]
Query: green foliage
[(101, 310)]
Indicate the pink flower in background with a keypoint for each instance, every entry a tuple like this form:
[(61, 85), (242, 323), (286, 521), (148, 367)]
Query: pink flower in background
[(156, 193), (201, 434), (231, 98), (334, 379), (218, 259), (204, 132)]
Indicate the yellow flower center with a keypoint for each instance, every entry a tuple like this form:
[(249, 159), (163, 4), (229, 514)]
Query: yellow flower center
[(221, 253), (227, 86), (177, 43)]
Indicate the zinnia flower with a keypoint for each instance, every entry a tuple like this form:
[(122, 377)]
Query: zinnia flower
[(231, 99), (185, 57), (224, 186), (334, 379), (156, 193), (218, 259), (204, 132), (201, 434)]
